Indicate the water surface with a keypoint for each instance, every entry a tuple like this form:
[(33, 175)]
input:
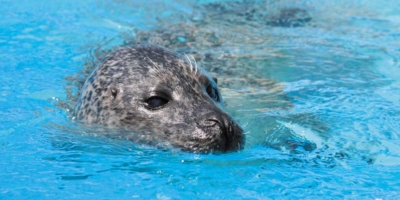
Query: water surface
[(319, 102)]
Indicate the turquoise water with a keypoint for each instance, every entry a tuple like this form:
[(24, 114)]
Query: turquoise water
[(333, 84)]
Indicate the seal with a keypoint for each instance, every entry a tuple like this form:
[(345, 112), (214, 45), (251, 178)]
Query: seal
[(153, 95)]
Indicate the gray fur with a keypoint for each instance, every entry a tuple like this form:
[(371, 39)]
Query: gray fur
[(116, 92)]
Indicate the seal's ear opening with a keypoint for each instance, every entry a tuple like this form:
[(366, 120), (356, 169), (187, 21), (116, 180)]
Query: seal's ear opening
[(114, 92), (215, 80)]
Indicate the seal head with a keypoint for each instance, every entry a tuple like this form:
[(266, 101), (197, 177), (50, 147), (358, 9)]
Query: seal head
[(153, 95)]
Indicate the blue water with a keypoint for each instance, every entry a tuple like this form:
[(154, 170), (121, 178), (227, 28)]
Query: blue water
[(335, 83)]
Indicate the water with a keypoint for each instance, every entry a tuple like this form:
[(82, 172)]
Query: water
[(319, 102)]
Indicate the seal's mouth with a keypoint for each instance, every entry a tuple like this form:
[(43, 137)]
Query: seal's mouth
[(216, 135)]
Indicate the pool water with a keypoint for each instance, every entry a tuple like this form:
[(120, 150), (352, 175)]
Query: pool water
[(319, 102)]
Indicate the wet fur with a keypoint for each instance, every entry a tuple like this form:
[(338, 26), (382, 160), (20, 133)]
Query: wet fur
[(137, 72)]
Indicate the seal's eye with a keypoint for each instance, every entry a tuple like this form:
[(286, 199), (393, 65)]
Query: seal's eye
[(212, 92), (156, 102)]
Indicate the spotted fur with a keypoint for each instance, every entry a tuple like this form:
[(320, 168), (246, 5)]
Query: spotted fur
[(115, 95)]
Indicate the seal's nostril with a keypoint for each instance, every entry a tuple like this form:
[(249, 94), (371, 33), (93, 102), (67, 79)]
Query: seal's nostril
[(210, 122)]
